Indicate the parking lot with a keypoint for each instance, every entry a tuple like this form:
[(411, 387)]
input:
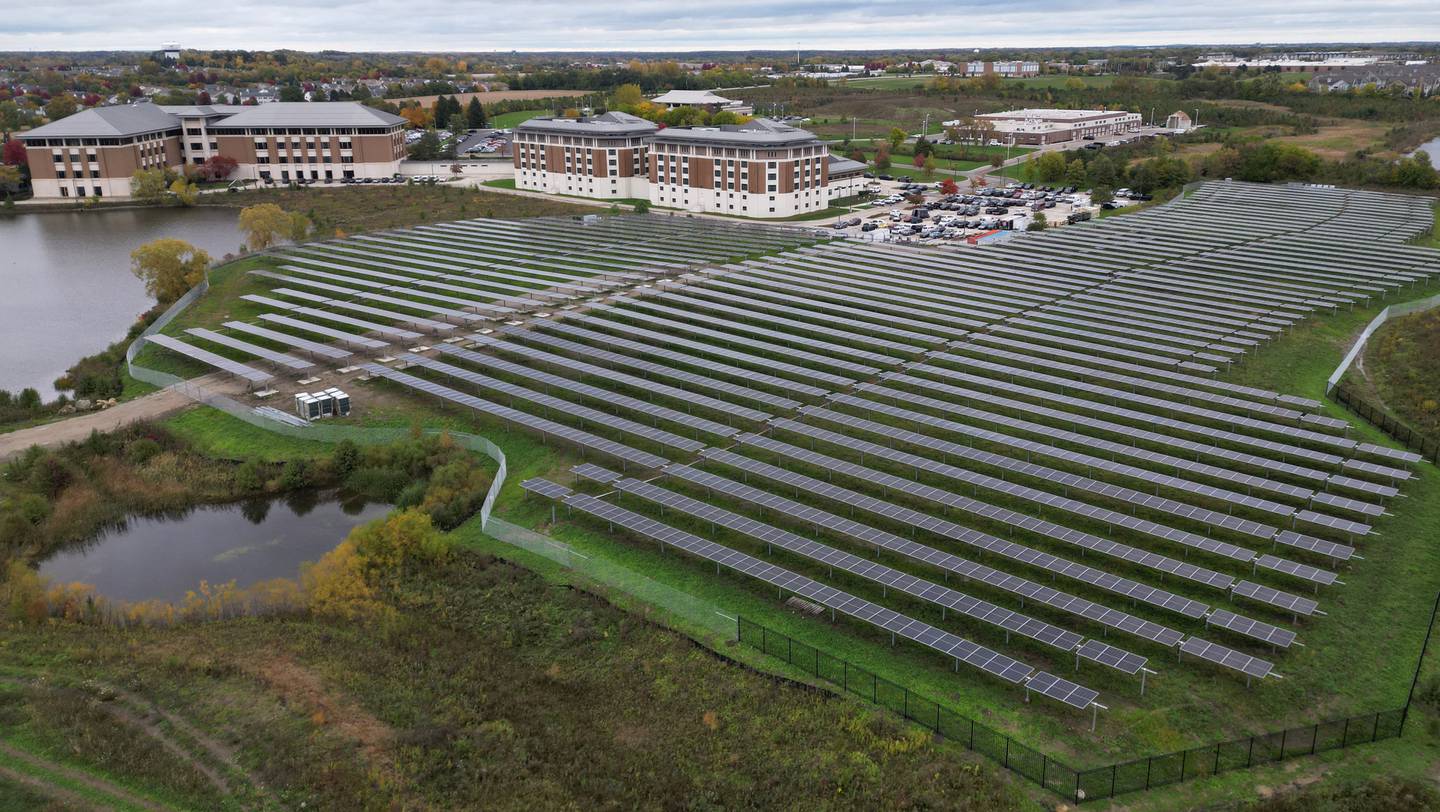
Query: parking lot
[(905, 211)]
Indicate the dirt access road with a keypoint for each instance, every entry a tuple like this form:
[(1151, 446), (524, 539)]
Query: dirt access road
[(76, 428)]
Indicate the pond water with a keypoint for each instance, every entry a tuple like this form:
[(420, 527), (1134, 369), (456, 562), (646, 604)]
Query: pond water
[(1433, 148), (68, 290), (163, 557)]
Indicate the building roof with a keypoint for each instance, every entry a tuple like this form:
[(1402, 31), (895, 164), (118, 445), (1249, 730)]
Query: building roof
[(107, 122), (754, 133), (144, 117), (844, 166), (612, 123), (692, 97), (1052, 114), (310, 114), (202, 110)]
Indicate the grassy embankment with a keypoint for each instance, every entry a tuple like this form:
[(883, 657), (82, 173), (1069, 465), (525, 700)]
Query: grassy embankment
[(1400, 368), (354, 209), (337, 713)]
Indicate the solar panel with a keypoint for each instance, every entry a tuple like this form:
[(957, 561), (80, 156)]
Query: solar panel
[(313, 347), (1339, 552), (906, 547), (545, 427), (829, 556), (1107, 655), (951, 645), (204, 356), (586, 390), (545, 488), (651, 348), (1061, 690), (266, 353), (660, 370), (1227, 658), (776, 345), (549, 402), (1263, 632), (320, 329), (667, 340), (1274, 597), (1014, 490), (1305, 572), (609, 375)]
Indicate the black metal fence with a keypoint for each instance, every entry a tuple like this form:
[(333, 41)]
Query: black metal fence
[(1429, 447), (1053, 774)]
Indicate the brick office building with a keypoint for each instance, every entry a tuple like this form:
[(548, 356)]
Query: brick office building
[(761, 168), (94, 152)]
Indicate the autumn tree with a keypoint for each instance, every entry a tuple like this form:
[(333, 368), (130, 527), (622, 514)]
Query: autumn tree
[(186, 193), (627, 96), (61, 106), (929, 165), (882, 157), (148, 185), (266, 224), (949, 187), (218, 167), (13, 153), (168, 267), (897, 137)]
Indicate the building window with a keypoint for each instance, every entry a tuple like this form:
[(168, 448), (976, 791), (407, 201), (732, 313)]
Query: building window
[(64, 192), (99, 192)]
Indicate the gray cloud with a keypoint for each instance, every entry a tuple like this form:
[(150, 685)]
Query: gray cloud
[(658, 25)]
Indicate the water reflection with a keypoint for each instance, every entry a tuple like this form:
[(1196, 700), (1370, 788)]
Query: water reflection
[(162, 556), (68, 287)]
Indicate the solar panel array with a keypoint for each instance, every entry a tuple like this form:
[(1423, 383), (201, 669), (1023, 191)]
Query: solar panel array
[(1055, 408)]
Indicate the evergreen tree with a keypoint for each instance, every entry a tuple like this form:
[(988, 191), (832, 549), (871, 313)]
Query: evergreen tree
[(475, 114)]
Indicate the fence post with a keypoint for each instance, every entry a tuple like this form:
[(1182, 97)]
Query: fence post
[(1044, 769), (1114, 770), (1007, 752), (1184, 759), (1250, 756), (1149, 763), (1405, 714), (1314, 738), (1216, 771)]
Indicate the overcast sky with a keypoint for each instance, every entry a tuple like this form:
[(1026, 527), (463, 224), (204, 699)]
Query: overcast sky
[(673, 25)]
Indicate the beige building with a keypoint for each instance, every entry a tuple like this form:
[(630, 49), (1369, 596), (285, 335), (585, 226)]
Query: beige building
[(602, 156), (758, 169), (1048, 126), (94, 152)]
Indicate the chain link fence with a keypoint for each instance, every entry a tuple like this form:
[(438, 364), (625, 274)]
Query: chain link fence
[(1429, 447), (1051, 773)]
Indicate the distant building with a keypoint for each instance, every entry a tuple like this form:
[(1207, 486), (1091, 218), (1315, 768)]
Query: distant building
[(1422, 79), (1044, 126), (94, 152), (1286, 65), (702, 98), (1005, 70), (760, 169), (1179, 121), (171, 51)]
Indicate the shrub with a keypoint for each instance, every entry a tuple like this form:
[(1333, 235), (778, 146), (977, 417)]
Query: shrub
[(142, 451), (294, 476), (379, 484), (250, 476)]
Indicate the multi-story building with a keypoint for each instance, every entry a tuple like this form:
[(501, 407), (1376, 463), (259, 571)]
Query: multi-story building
[(707, 99), (1053, 126), (601, 156), (761, 168), (758, 169), (1005, 70), (94, 153)]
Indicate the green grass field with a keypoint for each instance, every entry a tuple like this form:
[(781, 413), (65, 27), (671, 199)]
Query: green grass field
[(508, 121)]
